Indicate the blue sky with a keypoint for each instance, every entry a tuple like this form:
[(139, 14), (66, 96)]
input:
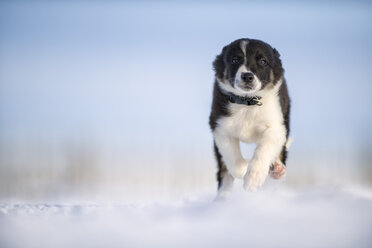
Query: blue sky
[(139, 74)]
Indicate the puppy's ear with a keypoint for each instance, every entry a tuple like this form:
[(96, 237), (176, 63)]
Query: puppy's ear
[(278, 69), (219, 64), (276, 53)]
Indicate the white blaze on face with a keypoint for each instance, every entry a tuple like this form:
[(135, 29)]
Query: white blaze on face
[(238, 83), (243, 46)]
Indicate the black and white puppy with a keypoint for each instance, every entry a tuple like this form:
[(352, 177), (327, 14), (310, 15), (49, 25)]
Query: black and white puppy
[(250, 105)]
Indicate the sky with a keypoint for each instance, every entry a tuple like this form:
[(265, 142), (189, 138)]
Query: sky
[(126, 87)]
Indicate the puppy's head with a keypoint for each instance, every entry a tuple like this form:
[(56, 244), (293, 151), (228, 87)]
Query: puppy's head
[(247, 67)]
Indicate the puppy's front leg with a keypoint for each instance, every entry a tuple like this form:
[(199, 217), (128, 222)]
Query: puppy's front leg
[(229, 147), (266, 153)]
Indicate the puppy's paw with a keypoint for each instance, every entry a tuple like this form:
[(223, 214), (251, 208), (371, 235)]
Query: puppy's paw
[(254, 179), (239, 169), (222, 195), (277, 170), (225, 187)]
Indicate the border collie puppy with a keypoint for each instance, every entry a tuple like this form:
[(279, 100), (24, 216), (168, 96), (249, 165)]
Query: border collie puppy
[(250, 105)]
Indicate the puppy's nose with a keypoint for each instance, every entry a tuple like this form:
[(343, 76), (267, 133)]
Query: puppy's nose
[(247, 77)]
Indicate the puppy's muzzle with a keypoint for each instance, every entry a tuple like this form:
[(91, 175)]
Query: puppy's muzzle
[(247, 77), (246, 81)]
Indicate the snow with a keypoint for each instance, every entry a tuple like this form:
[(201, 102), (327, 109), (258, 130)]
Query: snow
[(81, 167), (323, 216)]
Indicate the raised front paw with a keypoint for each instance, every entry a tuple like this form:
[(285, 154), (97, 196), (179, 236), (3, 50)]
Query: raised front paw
[(254, 179), (239, 169)]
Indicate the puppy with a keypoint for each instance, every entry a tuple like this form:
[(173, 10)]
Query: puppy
[(251, 105)]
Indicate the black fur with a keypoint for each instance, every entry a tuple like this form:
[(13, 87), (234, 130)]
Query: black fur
[(221, 166), (271, 73)]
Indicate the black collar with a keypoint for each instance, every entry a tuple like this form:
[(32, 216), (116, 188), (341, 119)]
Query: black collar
[(250, 101)]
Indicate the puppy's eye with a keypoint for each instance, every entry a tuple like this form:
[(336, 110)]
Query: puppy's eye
[(263, 62), (235, 60)]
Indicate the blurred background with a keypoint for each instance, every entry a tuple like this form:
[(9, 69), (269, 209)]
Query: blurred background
[(111, 99)]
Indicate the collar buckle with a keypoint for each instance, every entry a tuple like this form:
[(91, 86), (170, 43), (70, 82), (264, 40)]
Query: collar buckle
[(257, 101)]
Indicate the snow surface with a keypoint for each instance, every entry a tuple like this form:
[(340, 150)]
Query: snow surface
[(327, 216), (70, 73)]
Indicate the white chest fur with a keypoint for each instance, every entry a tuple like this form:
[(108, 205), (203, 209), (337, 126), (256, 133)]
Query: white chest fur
[(263, 125), (247, 123)]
